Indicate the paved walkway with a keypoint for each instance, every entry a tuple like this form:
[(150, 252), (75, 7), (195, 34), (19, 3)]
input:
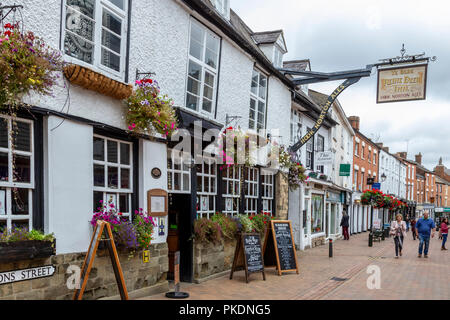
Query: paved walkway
[(406, 278)]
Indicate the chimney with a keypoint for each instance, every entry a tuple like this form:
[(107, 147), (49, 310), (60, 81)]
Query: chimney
[(354, 122), (402, 155), (386, 149), (419, 158), (380, 145)]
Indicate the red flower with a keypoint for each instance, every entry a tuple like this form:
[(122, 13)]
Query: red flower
[(8, 33), (8, 26)]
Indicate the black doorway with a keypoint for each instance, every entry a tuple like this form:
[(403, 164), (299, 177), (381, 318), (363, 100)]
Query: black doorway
[(180, 234)]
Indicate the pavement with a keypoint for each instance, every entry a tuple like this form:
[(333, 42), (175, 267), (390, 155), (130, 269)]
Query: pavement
[(343, 277)]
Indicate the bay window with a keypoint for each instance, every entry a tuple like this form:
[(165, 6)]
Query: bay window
[(258, 97), (95, 33), (16, 173), (203, 67), (113, 173)]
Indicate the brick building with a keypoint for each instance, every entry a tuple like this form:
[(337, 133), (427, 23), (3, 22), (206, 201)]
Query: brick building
[(411, 182), (427, 188), (365, 165)]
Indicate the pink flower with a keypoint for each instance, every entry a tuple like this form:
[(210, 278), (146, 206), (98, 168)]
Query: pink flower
[(130, 128), (133, 125), (138, 82)]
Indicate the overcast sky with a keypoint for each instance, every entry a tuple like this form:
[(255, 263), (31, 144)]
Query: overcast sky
[(349, 34)]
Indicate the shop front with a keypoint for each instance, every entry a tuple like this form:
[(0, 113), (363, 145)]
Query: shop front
[(334, 213), (315, 226)]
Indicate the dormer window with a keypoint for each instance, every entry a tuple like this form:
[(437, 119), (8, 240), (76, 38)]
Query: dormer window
[(277, 57), (223, 6)]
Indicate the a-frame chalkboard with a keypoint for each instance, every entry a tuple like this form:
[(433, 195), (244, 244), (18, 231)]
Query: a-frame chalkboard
[(279, 247), (248, 255), (90, 256)]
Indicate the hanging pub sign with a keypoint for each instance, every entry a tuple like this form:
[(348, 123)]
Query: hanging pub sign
[(248, 255), (402, 83), (324, 158), (279, 247)]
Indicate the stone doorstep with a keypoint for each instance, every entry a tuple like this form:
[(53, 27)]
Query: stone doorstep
[(158, 288), (213, 276)]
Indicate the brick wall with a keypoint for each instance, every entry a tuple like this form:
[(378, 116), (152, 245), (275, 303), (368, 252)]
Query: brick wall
[(101, 283)]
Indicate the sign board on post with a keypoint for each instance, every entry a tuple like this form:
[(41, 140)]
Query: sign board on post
[(376, 186), (324, 158), (176, 294), (402, 83)]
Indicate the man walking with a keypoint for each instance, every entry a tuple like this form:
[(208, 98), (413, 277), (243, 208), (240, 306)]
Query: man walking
[(344, 224), (423, 229)]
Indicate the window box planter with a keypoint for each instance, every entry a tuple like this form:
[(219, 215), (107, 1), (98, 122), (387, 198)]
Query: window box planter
[(95, 81), (26, 250), (323, 177), (312, 175)]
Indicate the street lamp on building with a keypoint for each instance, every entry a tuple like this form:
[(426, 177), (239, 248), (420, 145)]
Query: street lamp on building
[(383, 177)]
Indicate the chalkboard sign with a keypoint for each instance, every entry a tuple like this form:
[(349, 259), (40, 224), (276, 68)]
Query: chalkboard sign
[(90, 256), (248, 255), (279, 247)]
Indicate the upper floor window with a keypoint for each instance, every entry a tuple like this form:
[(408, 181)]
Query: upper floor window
[(369, 157), (362, 152), (309, 152), (258, 97), (296, 126), (223, 6), (95, 33), (374, 158), (357, 149), (320, 148), (277, 57), (203, 67)]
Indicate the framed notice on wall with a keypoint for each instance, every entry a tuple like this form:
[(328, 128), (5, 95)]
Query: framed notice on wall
[(157, 203)]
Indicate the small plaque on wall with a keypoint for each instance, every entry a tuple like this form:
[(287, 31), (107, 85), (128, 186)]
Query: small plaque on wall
[(157, 203)]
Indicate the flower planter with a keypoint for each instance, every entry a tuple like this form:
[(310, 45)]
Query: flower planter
[(95, 81), (26, 250), (313, 175), (323, 177)]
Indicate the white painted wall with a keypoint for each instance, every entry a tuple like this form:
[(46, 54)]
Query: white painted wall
[(152, 155), (69, 184)]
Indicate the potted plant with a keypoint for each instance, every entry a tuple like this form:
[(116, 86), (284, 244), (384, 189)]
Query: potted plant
[(21, 244)]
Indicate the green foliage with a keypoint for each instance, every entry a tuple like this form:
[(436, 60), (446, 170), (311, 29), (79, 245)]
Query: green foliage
[(247, 225), (228, 225), (260, 222), (207, 231), (22, 234)]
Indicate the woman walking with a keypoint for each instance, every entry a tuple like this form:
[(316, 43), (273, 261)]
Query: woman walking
[(398, 230), (444, 232), (413, 228)]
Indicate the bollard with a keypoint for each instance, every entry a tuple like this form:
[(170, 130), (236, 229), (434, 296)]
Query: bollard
[(331, 248), (370, 239), (177, 294)]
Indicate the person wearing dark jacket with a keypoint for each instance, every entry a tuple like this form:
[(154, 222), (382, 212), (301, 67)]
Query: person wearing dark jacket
[(344, 224)]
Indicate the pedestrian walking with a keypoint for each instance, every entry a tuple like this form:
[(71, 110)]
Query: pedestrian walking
[(444, 232), (344, 224), (438, 228), (413, 228), (407, 220), (398, 230), (424, 226)]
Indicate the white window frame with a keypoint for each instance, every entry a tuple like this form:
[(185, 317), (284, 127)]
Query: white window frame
[(204, 68), (211, 179), (97, 41), (277, 56), (9, 185), (231, 175), (257, 99), (310, 151), (267, 184), (184, 170), (106, 190), (251, 190)]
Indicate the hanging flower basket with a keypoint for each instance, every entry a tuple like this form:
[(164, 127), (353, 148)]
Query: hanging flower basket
[(27, 65), (148, 111), (91, 80)]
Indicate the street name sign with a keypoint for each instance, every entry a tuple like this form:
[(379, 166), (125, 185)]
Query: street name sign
[(402, 83), (248, 255), (279, 247), (26, 274)]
